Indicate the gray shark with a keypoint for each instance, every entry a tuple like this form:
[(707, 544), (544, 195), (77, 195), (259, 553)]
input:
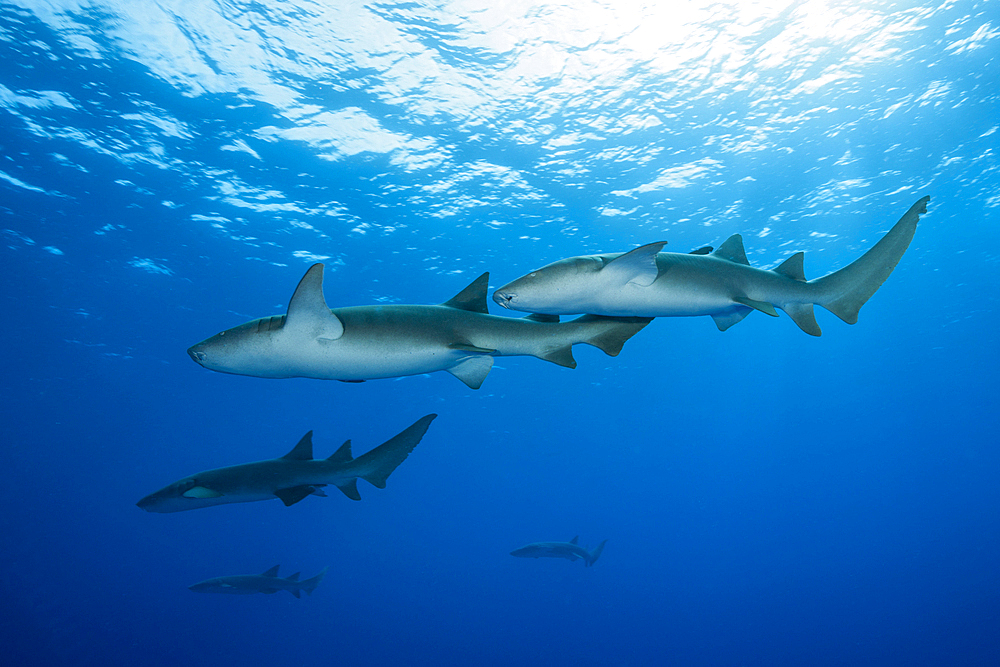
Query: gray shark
[(291, 478), (268, 582), (367, 342), (569, 550), (648, 283)]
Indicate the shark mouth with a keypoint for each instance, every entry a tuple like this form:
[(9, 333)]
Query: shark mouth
[(503, 299)]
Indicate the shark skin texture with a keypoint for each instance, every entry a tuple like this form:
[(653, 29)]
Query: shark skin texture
[(361, 343), (646, 282), (569, 550), (291, 478), (268, 582)]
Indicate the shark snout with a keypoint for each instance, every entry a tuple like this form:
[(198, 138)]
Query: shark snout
[(503, 298), (197, 355)]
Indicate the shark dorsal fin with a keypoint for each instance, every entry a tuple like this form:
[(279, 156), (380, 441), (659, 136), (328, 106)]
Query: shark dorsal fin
[(342, 455), (273, 572), (575, 540), (542, 317), (294, 577), (307, 310), (792, 267), (302, 451), (636, 266), (473, 297), (733, 250), (704, 250)]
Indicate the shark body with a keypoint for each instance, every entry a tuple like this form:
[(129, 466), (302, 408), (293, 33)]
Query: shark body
[(268, 582), (366, 342), (648, 283), (569, 550), (290, 478)]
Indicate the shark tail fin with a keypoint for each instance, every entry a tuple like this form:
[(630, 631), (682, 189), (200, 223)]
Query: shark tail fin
[(612, 338), (379, 463), (309, 585), (843, 292), (596, 553)]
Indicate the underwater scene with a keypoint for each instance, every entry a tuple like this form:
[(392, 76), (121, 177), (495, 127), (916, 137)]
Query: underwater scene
[(500, 333)]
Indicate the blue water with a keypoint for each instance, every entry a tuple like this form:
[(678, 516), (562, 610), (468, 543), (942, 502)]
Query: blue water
[(170, 169)]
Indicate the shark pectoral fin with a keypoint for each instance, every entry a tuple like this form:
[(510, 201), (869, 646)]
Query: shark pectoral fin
[(273, 572), (472, 370), (201, 492), (636, 266), (465, 347), (561, 356), (294, 494), (350, 489), (732, 250), (802, 315), (762, 306), (729, 318), (308, 313)]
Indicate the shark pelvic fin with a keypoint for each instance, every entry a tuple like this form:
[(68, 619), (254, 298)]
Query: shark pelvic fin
[(542, 317), (762, 306), (792, 267), (302, 451), (472, 370), (728, 319), (802, 315), (294, 494), (201, 492), (636, 266), (732, 250), (473, 297), (273, 572), (350, 488), (381, 461), (342, 455), (308, 312), (704, 250)]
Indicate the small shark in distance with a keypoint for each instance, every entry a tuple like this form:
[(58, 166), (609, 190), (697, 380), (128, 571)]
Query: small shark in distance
[(648, 283), (569, 550), (268, 582), (291, 478), (368, 342)]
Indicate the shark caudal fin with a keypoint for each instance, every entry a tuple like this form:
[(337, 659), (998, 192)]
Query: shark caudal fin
[(378, 464), (596, 553), (843, 292), (309, 585), (619, 329)]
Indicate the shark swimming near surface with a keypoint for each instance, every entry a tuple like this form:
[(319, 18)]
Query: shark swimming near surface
[(569, 550), (291, 478), (646, 282), (367, 342), (268, 582)]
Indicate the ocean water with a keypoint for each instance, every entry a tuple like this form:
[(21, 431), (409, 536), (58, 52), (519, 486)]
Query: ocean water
[(170, 169)]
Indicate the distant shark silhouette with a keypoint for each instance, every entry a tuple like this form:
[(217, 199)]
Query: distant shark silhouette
[(648, 283), (569, 550), (291, 478), (367, 342), (268, 582)]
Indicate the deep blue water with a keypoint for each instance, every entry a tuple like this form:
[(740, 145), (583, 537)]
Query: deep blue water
[(170, 169)]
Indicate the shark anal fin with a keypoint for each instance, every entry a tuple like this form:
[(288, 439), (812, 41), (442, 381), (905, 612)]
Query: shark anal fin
[(350, 489), (473, 297), (472, 370), (792, 268), (295, 592), (343, 454), (273, 572), (802, 315), (732, 250), (731, 317), (303, 451), (561, 356), (308, 313), (294, 494), (636, 266), (762, 306), (465, 347)]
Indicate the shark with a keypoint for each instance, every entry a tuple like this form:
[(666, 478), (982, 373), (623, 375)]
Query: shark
[(359, 343), (569, 550), (646, 282), (291, 478), (267, 582)]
